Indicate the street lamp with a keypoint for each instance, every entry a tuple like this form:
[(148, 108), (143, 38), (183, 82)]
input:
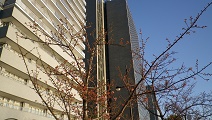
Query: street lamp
[(118, 88)]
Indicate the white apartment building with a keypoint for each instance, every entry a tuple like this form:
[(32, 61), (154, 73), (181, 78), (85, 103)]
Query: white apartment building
[(18, 101)]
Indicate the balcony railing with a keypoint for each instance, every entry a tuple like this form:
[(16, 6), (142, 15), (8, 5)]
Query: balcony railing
[(82, 6), (60, 9), (39, 112), (43, 26), (78, 14)]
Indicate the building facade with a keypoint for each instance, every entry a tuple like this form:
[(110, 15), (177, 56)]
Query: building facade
[(96, 34), (121, 62), (120, 53), (152, 105), (123, 57), (17, 98), (118, 56)]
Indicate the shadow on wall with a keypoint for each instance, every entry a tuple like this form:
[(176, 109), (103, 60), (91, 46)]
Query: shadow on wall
[(11, 119)]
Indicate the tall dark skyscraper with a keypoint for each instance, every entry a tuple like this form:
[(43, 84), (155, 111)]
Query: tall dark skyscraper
[(119, 58)]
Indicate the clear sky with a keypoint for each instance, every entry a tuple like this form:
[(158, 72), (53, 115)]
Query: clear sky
[(161, 19)]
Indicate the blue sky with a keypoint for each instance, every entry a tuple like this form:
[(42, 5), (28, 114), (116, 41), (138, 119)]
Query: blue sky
[(161, 19)]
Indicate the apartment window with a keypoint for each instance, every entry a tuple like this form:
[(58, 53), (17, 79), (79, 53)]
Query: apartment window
[(11, 103), (29, 60), (45, 112), (21, 105), (47, 91), (6, 102), (1, 101), (16, 105), (26, 81), (30, 109)]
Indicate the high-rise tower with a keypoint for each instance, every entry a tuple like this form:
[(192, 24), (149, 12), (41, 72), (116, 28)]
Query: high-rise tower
[(18, 100), (119, 54), (122, 62)]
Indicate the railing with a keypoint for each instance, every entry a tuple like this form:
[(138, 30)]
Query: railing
[(82, 6), (79, 8), (10, 105), (14, 77), (46, 29), (39, 112), (42, 25), (8, 47), (73, 8), (36, 19), (71, 12)]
